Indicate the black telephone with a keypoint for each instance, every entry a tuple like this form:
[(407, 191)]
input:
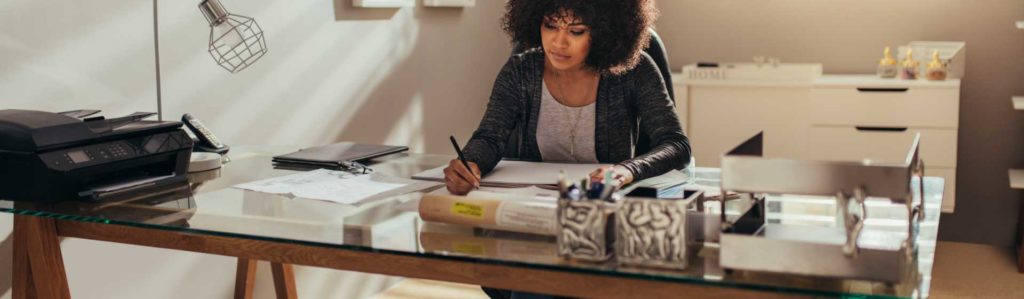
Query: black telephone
[(207, 141)]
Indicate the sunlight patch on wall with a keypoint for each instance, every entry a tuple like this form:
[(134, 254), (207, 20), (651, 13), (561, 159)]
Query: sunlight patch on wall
[(409, 127)]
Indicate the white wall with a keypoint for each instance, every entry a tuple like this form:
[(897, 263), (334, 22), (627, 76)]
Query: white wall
[(400, 76), (333, 72)]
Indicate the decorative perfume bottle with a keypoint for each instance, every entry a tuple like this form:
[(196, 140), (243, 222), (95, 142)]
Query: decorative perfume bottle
[(936, 68), (908, 69), (887, 66)]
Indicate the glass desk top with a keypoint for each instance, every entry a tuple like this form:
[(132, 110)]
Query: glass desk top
[(392, 225)]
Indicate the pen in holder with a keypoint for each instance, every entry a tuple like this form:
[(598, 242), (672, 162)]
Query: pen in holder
[(586, 220), (654, 232)]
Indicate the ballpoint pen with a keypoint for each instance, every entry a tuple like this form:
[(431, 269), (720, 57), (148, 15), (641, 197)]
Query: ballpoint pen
[(458, 150)]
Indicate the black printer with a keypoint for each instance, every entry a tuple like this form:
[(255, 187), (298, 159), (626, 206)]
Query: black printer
[(47, 157)]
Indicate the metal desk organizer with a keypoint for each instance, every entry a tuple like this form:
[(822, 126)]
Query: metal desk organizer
[(656, 232), (749, 243), (585, 229)]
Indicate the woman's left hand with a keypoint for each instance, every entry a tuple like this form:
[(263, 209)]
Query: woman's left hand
[(620, 174)]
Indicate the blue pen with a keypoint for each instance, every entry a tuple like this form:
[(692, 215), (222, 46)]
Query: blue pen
[(596, 190)]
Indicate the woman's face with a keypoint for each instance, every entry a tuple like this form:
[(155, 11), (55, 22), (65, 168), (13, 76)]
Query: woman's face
[(566, 41)]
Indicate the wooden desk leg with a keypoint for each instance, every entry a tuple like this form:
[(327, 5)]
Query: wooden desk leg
[(245, 277), (284, 280), (1020, 257), (38, 264), (21, 284), (1020, 242)]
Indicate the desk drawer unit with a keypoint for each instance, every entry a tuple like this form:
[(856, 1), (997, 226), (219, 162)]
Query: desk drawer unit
[(877, 122), (833, 117)]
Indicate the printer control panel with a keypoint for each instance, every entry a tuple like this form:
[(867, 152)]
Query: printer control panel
[(112, 151), (90, 154)]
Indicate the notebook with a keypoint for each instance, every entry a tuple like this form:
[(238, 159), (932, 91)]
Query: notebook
[(338, 154)]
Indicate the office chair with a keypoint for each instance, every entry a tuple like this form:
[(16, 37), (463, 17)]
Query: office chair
[(655, 48)]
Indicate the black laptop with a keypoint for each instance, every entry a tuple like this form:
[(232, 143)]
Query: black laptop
[(338, 155)]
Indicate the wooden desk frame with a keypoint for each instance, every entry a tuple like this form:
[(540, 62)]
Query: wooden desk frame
[(39, 267), (1020, 241)]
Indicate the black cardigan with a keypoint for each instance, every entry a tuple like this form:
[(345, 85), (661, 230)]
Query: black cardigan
[(627, 104)]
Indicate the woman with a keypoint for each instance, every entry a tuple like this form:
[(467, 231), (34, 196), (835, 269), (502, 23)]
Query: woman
[(582, 93)]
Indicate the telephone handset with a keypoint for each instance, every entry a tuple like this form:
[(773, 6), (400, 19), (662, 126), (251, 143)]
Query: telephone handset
[(207, 141)]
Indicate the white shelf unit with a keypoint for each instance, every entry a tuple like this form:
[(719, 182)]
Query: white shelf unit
[(449, 3), (1017, 178), (834, 117), (1018, 103), (383, 3)]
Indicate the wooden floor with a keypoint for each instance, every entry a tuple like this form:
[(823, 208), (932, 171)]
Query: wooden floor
[(961, 271), (429, 289), (975, 271)]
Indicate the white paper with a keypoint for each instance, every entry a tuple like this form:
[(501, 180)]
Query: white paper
[(528, 215), (332, 185), (531, 193), (520, 173)]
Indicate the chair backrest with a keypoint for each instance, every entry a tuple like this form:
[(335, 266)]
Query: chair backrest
[(655, 48)]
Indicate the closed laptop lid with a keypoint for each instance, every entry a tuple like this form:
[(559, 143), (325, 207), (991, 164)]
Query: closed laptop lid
[(340, 152)]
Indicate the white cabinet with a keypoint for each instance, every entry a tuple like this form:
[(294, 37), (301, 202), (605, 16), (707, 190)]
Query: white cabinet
[(833, 117), (715, 125)]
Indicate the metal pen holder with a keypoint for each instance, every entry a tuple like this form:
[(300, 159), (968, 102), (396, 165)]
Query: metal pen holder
[(654, 231), (585, 229)]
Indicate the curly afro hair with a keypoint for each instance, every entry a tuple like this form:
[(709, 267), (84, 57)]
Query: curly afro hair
[(618, 28)]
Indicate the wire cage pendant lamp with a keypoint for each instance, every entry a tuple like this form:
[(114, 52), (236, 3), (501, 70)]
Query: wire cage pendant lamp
[(236, 41)]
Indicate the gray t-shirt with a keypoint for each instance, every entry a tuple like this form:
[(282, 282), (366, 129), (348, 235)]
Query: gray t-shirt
[(565, 134)]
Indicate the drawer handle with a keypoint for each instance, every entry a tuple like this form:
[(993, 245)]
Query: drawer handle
[(878, 89), (881, 129)]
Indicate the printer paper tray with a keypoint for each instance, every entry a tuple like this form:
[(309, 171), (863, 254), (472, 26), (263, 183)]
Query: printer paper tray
[(101, 191)]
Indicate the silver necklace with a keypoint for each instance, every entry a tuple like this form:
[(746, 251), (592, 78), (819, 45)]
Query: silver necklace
[(575, 121), (572, 133)]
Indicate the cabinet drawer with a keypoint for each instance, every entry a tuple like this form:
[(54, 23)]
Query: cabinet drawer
[(907, 107), (938, 146)]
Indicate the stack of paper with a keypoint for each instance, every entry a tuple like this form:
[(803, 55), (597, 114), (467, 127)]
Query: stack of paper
[(521, 174), (336, 186)]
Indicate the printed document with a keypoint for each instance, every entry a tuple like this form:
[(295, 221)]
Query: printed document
[(336, 186)]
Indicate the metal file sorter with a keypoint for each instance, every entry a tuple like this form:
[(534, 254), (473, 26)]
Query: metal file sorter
[(847, 251)]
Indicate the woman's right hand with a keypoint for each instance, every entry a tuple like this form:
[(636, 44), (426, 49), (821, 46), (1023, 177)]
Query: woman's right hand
[(460, 180)]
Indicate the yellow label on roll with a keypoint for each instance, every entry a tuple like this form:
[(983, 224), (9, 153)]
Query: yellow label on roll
[(469, 210), (469, 248)]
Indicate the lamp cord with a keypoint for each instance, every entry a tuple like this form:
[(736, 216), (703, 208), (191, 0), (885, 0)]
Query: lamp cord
[(156, 47)]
